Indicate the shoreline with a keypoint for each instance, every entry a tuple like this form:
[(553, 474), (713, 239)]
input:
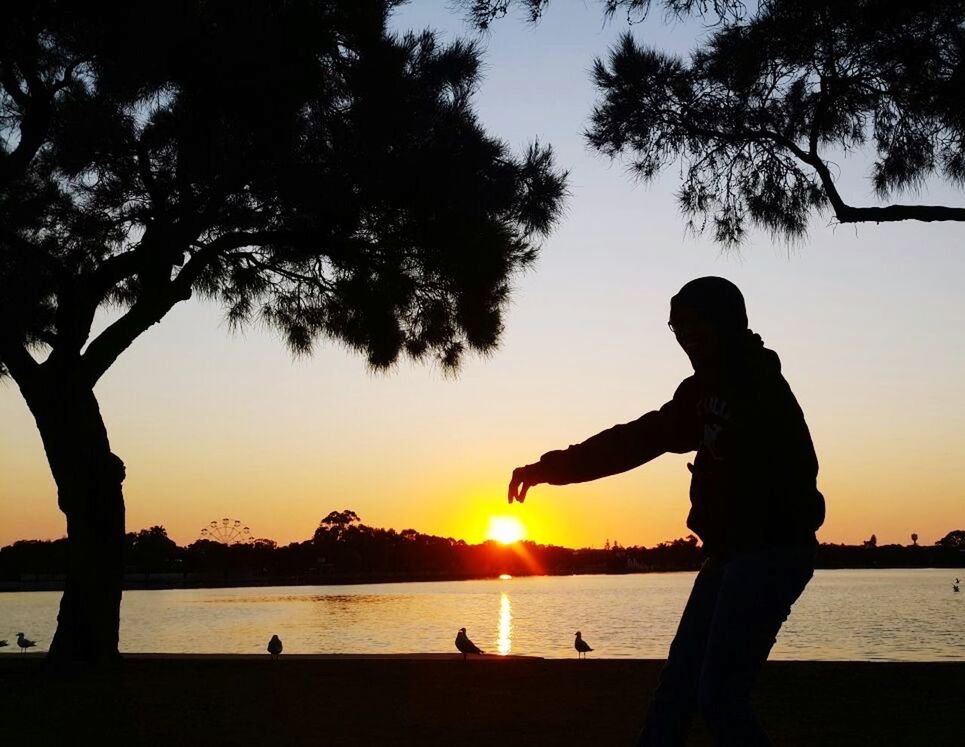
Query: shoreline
[(161, 582), (443, 656)]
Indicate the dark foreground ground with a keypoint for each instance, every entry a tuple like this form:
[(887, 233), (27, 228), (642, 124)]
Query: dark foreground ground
[(443, 701)]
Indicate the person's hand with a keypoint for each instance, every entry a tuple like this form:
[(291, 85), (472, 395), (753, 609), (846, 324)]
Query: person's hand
[(522, 480)]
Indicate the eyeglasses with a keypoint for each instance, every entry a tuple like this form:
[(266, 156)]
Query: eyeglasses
[(681, 331)]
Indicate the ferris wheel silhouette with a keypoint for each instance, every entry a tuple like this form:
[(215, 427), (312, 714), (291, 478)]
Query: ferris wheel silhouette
[(227, 532)]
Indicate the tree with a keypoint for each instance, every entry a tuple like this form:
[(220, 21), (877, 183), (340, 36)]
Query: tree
[(914, 539), (872, 541), (953, 540), (292, 160), (336, 524), (151, 549), (482, 13), (756, 115)]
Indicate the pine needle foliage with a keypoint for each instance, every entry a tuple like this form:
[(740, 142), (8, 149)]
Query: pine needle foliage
[(772, 94), (292, 159)]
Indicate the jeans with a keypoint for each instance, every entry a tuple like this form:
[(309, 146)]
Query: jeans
[(725, 634)]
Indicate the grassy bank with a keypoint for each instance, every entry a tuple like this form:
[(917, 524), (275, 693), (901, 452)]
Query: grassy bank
[(441, 700)]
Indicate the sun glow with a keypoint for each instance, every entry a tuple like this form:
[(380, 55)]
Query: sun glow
[(506, 529)]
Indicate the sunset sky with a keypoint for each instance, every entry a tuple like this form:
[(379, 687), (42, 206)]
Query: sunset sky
[(869, 322)]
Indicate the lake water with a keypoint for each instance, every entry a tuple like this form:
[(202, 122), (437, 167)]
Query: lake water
[(897, 615)]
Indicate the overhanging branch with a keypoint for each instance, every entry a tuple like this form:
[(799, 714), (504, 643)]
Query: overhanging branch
[(888, 213), (843, 212)]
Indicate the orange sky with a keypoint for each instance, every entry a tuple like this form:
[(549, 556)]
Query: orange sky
[(868, 322)]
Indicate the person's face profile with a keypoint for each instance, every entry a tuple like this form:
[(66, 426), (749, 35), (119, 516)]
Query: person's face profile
[(698, 339)]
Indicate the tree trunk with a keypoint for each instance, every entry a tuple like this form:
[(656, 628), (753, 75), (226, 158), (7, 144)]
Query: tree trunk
[(88, 477)]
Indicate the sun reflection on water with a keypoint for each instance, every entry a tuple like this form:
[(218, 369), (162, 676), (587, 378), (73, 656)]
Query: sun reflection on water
[(504, 641)]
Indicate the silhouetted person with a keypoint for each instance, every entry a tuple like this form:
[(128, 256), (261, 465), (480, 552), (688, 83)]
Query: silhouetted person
[(464, 645), (24, 643), (275, 647), (580, 645), (754, 504)]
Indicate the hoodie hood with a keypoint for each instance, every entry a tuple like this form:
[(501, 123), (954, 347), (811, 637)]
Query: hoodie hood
[(717, 301), (752, 347), (744, 357)]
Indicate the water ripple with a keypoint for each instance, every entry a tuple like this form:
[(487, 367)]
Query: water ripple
[(872, 615)]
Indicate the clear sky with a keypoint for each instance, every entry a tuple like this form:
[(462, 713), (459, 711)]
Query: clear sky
[(869, 323)]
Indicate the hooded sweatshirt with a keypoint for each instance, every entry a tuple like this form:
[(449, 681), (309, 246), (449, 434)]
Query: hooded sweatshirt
[(753, 481)]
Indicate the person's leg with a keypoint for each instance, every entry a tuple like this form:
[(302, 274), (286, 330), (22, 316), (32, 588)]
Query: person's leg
[(755, 598), (675, 698)]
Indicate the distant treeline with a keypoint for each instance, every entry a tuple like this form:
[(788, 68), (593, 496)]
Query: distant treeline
[(344, 550)]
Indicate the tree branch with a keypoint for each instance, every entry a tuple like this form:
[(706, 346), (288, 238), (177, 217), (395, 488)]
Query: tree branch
[(155, 303), (68, 75), (820, 109), (843, 212), (889, 213), (33, 129), (312, 240), (113, 270), (18, 360), (79, 297), (284, 272), (144, 171), (35, 104), (12, 87), (148, 310), (848, 214)]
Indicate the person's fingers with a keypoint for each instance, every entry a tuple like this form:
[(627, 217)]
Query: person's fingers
[(514, 482), (522, 496), (519, 484)]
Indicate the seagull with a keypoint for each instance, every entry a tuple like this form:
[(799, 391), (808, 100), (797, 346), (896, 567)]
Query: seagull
[(580, 645), (274, 646), (24, 643), (464, 645), (955, 585)]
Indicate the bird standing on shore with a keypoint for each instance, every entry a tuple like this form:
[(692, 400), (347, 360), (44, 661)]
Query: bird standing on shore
[(955, 585), (580, 645), (275, 647), (24, 643), (464, 645), (4, 643)]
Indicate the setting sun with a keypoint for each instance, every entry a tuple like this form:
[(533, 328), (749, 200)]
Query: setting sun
[(506, 529)]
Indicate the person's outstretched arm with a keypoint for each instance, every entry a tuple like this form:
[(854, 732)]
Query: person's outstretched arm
[(674, 427)]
